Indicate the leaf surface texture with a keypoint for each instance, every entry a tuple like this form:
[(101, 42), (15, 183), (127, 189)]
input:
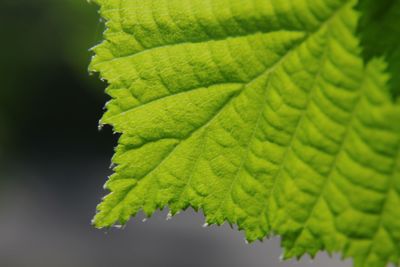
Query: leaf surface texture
[(259, 112)]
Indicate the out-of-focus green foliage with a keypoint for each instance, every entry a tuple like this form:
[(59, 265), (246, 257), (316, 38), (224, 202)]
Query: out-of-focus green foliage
[(379, 27), (41, 38), (45, 30)]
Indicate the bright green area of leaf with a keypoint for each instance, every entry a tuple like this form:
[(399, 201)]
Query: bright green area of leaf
[(258, 112), (379, 29)]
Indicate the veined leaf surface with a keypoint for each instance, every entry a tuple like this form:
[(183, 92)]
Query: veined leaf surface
[(259, 112)]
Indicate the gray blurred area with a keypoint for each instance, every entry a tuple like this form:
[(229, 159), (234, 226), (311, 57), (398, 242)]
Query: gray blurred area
[(54, 162), (48, 225)]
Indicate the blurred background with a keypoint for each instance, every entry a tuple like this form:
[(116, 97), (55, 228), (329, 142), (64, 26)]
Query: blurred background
[(53, 160)]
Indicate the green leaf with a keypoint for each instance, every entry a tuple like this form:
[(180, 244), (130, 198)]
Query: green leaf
[(380, 35), (259, 112)]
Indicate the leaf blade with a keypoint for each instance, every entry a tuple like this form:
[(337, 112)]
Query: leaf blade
[(258, 112)]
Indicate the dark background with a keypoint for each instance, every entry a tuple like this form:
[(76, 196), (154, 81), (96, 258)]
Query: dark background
[(53, 160)]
